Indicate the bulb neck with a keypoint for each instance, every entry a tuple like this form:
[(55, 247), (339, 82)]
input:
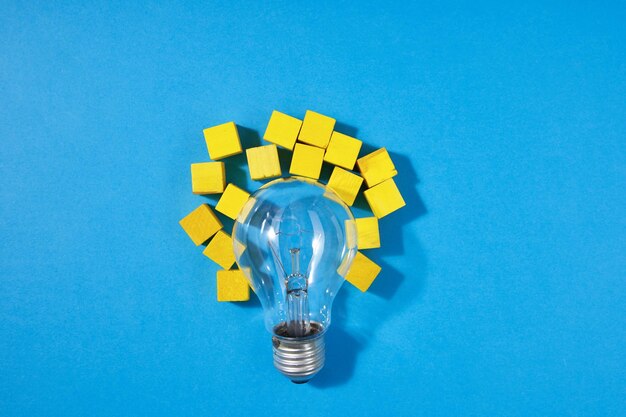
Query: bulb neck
[(299, 358)]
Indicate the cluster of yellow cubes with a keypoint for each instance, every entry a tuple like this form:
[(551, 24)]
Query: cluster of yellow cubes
[(203, 225), (312, 142)]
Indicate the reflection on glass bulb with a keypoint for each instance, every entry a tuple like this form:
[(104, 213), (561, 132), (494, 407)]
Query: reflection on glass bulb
[(295, 240)]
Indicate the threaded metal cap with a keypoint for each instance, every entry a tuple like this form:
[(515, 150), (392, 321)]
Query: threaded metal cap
[(299, 358)]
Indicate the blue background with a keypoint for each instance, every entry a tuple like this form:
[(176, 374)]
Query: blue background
[(503, 291)]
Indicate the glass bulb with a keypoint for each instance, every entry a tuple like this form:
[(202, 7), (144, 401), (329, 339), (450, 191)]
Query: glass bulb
[(295, 240)]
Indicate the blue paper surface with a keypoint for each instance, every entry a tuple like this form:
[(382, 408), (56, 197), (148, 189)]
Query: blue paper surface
[(503, 289)]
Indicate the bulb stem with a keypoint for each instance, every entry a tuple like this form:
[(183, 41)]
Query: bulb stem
[(299, 358)]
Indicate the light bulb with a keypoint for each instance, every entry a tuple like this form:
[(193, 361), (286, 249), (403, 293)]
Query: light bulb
[(295, 240)]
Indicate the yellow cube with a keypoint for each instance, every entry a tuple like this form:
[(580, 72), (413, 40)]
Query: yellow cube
[(343, 150), (245, 210), (220, 250), (208, 178), (350, 233), (363, 272), (232, 201), (306, 161), (316, 129), (232, 285), (376, 167), (282, 130), (201, 224), (263, 162), (367, 232), (384, 198), (238, 248), (222, 140), (345, 184)]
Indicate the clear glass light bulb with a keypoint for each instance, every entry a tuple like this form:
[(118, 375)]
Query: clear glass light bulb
[(295, 240)]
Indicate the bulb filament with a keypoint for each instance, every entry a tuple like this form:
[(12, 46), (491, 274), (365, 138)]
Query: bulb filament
[(298, 324)]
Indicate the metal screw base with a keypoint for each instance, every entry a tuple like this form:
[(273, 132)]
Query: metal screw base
[(299, 358)]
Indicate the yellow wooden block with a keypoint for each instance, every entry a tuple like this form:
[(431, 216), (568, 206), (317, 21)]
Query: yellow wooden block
[(245, 210), (384, 198), (362, 272), (208, 178), (345, 184), (238, 248), (306, 161), (282, 130), (376, 167), (351, 243), (201, 224), (263, 162), (316, 129), (350, 233), (343, 150), (232, 285), (222, 140), (367, 232), (232, 201), (220, 250)]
